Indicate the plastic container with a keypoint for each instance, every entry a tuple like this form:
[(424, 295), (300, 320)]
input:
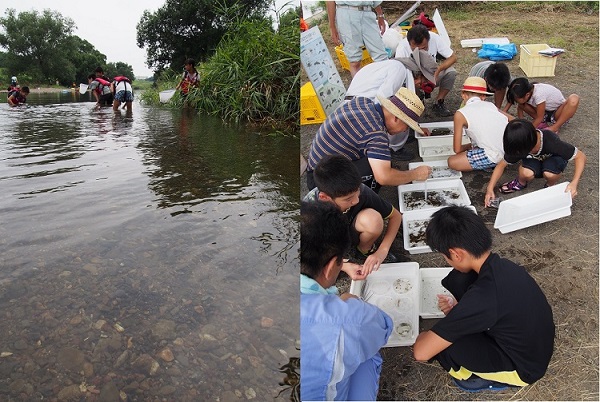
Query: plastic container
[(534, 64), (440, 170), (311, 111), (479, 42), (431, 286), (438, 147), (366, 57), (415, 222), (83, 88), (165, 96), (395, 288), (442, 192), (534, 208)]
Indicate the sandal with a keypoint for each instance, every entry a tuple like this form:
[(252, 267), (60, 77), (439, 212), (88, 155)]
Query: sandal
[(512, 186)]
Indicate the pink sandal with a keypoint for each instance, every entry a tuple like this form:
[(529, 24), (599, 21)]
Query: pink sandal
[(512, 186)]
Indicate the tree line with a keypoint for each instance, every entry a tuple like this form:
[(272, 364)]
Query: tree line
[(41, 48), (249, 63)]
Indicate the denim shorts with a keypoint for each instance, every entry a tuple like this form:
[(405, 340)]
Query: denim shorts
[(479, 160), (554, 164)]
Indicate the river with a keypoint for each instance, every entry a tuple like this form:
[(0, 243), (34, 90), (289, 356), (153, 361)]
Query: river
[(149, 257)]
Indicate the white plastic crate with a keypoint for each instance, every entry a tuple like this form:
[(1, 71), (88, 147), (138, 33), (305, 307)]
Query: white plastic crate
[(450, 192), (411, 220), (395, 288), (534, 208), (431, 286)]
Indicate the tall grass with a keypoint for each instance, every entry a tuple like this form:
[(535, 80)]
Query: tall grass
[(253, 76)]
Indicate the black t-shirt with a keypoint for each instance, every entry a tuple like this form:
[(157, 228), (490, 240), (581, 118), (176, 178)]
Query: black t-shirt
[(551, 145), (506, 304), (370, 199), (367, 198)]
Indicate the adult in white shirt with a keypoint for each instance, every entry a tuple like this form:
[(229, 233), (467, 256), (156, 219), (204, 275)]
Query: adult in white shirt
[(419, 37)]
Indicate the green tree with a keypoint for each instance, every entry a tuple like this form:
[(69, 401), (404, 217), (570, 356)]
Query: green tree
[(189, 28), (119, 68), (83, 56), (34, 42)]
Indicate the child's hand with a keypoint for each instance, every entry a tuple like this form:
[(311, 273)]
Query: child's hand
[(572, 188), (354, 271), (426, 131), (446, 303), (373, 262), (489, 196)]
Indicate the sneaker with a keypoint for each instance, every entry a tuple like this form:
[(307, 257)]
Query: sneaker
[(476, 384), (441, 110), (403, 154)]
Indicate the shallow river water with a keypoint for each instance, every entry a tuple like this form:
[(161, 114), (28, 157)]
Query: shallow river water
[(144, 258)]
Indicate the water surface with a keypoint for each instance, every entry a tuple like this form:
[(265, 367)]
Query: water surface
[(153, 256)]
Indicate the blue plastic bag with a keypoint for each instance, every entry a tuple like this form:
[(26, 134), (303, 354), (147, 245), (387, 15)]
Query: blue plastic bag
[(497, 52)]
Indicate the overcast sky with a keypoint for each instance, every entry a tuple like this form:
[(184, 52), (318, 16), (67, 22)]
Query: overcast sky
[(109, 25)]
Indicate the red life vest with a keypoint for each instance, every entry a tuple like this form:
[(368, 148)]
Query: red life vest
[(189, 80), (102, 81), (120, 78)]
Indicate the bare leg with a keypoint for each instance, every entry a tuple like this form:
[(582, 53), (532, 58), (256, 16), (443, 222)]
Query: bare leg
[(565, 112), (354, 67), (459, 162), (369, 224), (551, 178)]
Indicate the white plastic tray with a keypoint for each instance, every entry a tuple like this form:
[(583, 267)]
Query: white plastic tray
[(433, 187), (395, 288), (438, 147), (431, 286), (478, 42), (436, 124), (408, 221), (534, 208), (441, 171)]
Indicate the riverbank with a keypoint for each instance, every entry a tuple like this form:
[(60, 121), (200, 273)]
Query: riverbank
[(562, 256), (45, 90)]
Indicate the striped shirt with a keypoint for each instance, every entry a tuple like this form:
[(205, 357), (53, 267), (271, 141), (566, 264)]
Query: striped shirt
[(355, 130)]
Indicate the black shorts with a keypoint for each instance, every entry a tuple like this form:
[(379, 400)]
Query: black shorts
[(554, 164), (106, 100)]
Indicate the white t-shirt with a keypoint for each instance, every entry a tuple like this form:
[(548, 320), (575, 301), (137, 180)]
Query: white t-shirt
[(383, 78), (436, 46), (546, 93), (485, 127)]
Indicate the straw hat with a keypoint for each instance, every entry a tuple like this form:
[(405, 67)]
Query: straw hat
[(421, 61), (476, 85), (406, 106)]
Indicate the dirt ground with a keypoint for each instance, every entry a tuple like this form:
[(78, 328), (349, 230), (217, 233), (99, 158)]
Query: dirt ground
[(561, 255)]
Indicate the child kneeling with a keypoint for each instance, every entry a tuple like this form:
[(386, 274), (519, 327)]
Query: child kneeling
[(542, 154), (499, 332), (484, 125)]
